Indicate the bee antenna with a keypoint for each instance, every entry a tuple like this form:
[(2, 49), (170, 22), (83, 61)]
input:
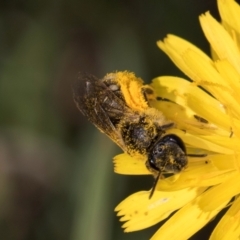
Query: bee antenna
[(155, 184)]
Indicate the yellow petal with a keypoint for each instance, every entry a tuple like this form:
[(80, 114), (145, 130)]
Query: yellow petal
[(125, 164), (212, 80), (223, 162), (220, 40), (229, 75), (174, 47), (198, 174), (199, 142), (141, 212), (229, 225), (184, 223), (221, 193), (182, 117), (177, 89), (229, 142), (230, 12), (209, 112), (187, 95)]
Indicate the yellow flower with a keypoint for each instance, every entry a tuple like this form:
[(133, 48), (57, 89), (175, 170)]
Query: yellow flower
[(206, 111)]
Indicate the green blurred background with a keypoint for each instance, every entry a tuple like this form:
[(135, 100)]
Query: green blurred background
[(56, 171)]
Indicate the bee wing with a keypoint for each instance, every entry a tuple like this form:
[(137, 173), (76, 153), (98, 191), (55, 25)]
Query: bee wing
[(100, 105)]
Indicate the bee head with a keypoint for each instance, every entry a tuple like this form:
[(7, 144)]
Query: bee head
[(168, 154)]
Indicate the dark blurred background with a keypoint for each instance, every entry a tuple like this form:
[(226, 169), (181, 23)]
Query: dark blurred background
[(56, 171)]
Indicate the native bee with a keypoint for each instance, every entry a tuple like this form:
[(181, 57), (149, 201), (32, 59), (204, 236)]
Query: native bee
[(117, 105)]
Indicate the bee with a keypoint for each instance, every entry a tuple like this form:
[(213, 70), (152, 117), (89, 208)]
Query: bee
[(118, 106)]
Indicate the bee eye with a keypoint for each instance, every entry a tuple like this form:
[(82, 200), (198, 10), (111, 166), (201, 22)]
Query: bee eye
[(159, 149)]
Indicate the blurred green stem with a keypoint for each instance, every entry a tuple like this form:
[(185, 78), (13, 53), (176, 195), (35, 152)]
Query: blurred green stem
[(93, 199)]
